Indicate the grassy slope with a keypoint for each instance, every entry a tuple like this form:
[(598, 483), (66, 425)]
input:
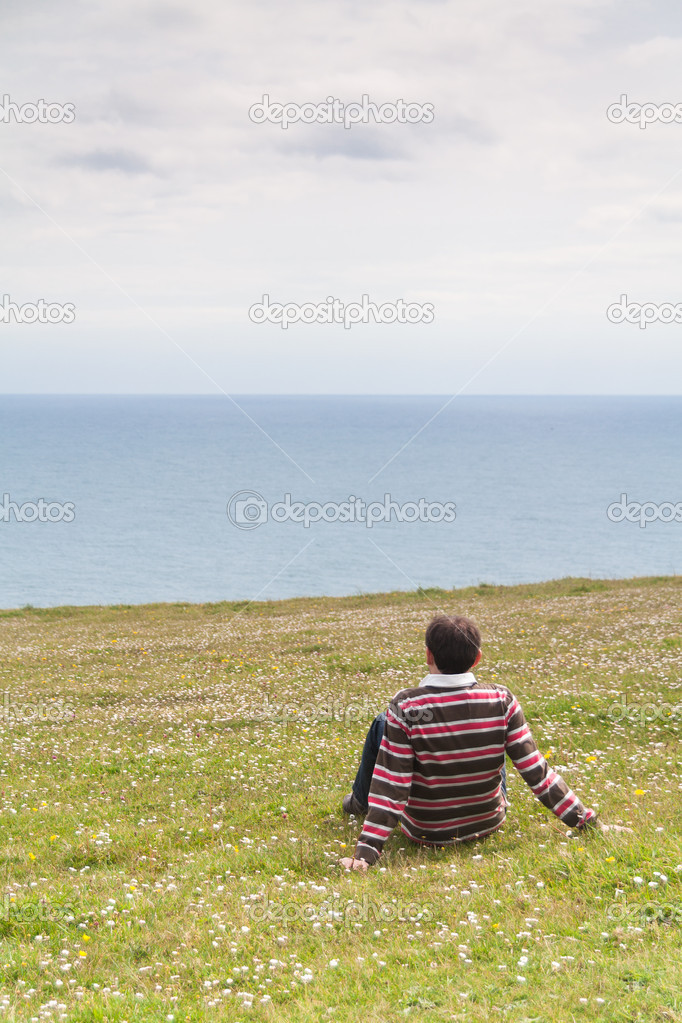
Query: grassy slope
[(172, 830)]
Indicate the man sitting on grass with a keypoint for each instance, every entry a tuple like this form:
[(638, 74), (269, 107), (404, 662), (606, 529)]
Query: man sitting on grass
[(434, 761)]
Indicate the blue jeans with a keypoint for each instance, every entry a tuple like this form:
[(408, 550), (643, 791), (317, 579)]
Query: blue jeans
[(370, 752)]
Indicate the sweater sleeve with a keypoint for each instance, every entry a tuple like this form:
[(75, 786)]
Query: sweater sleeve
[(390, 788), (548, 786)]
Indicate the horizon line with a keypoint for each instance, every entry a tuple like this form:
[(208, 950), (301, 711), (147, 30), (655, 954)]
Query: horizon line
[(330, 394)]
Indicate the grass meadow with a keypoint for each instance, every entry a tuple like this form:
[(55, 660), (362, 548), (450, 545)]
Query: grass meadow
[(171, 782)]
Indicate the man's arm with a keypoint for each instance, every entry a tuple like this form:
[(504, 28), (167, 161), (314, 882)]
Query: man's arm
[(548, 786), (391, 783)]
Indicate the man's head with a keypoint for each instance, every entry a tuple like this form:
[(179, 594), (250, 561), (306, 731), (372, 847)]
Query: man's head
[(454, 643)]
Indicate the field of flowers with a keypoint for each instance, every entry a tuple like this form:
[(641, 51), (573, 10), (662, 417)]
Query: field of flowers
[(171, 783)]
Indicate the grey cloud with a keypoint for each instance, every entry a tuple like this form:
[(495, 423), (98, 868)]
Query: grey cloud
[(367, 142), (642, 20), (119, 107), (353, 143), (172, 17), (665, 215), (520, 169), (471, 130), (101, 160)]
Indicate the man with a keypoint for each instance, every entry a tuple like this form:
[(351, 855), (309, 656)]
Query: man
[(434, 761)]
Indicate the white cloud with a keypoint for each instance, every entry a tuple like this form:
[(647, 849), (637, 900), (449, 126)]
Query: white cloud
[(195, 212)]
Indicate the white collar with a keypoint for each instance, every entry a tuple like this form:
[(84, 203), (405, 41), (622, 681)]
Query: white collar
[(462, 681)]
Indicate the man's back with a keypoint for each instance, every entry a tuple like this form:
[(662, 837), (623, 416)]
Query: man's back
[(439, 766)]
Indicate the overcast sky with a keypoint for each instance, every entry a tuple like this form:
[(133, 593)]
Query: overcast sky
[(163, 213)]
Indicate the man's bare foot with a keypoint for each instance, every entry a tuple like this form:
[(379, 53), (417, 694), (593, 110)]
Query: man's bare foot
[(351, 864)]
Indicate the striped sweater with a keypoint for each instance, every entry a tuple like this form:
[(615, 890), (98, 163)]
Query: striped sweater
[(438, 769)]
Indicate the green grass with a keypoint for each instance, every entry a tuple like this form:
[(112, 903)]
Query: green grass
[(171, 780)]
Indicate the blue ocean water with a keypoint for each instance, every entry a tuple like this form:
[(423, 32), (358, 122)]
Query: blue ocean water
[(150, 478)]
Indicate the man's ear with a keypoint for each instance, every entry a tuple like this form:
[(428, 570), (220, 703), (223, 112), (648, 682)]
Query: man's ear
[(478, 657), (429, 657)]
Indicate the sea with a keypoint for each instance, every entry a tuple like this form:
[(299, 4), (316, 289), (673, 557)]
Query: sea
[(128, 499)]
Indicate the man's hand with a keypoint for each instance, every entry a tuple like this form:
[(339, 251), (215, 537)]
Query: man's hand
[(349, 863), (595, 826)]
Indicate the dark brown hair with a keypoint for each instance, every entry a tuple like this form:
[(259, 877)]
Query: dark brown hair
[(454, 642)]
